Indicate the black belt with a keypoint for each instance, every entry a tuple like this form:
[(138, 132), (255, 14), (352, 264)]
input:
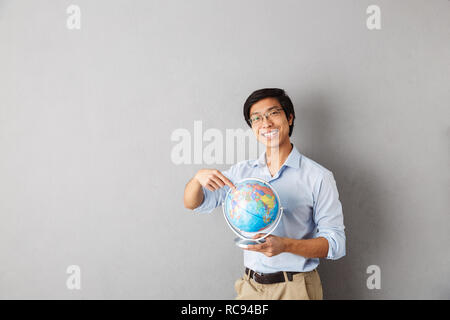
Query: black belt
[(269, 278)]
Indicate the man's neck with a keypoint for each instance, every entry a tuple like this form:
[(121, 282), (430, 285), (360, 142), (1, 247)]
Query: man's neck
[(275, 157)]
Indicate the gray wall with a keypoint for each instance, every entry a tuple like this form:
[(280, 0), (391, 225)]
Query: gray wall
[(86, 117)]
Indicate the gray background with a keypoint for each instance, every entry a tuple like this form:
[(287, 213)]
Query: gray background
[(86, 116)]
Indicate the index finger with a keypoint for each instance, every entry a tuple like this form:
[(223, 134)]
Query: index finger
[(226, 180)]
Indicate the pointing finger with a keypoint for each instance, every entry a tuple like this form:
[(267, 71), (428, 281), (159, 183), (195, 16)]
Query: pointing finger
[(226, 180), (219, 182)]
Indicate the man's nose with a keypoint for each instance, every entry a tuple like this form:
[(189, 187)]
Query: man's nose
[(266, 120)]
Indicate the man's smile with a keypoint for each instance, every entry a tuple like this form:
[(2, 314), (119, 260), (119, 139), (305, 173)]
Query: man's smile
[(269, 134)]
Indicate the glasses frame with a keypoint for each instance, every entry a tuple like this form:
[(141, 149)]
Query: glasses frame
[(266, 115)]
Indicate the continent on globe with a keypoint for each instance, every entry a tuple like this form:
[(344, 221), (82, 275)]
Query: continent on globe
[(252, 206)]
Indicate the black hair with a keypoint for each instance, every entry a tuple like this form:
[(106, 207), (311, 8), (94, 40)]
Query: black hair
[(276, 93)]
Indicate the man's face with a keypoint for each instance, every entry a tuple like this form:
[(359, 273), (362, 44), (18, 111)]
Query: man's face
[(273, 130)]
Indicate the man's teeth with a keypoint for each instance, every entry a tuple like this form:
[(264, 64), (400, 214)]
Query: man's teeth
[(270, 134)]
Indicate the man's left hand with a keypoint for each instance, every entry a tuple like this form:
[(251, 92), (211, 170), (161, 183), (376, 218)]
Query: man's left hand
[(271, 247)]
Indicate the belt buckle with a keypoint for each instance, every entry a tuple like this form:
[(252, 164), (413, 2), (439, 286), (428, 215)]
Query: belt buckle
[(260, 274), (253, 274)]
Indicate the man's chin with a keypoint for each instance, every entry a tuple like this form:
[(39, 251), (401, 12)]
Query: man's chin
[(270, 143)]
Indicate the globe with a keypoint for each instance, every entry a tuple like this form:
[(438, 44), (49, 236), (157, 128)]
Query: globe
[(252, 208)]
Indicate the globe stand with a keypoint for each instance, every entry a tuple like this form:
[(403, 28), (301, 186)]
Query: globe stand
[(244, 243)]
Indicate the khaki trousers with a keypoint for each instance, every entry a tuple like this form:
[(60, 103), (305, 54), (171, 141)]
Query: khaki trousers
[(304, 286)]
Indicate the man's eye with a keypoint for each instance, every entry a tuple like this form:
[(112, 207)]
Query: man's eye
[(255, 119)]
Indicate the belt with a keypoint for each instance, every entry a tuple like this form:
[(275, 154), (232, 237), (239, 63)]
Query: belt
[(269, 278)]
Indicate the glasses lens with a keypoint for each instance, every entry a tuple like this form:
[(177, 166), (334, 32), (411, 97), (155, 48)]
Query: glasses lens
[(255, 119), (274, 113)]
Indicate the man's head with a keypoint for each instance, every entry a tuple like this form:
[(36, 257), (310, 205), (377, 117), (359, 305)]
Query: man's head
[(270, 114)]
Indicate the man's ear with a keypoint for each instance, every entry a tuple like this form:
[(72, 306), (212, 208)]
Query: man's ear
[(291, 119)]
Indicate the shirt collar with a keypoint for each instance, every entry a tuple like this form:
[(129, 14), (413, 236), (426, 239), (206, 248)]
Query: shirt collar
[(293, 160)]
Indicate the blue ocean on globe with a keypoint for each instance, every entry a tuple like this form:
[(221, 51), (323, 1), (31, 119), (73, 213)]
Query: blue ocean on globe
[(252, 207)]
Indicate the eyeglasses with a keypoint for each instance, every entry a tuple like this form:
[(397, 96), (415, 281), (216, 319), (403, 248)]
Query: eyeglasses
[(272, 114)]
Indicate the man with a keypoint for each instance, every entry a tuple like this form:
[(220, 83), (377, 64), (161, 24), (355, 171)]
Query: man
[(284, 266)]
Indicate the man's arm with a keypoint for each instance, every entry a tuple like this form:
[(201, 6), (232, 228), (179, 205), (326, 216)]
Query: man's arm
[(211, 179), (193, 194), (308, 248)]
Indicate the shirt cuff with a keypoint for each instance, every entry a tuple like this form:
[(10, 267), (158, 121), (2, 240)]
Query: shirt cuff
[(203, 207), (336, 250)]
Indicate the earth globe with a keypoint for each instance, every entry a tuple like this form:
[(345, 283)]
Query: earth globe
[(252, 208)]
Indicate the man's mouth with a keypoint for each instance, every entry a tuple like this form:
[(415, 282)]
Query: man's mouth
[(270, 134)]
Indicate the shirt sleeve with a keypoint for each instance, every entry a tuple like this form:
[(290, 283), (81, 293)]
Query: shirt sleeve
[(327, 212), (213, 199)]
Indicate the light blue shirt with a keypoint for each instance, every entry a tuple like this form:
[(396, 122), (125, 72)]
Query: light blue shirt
[(312, 209)]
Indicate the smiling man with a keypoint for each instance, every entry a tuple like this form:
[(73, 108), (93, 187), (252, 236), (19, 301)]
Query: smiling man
[(312, 226)]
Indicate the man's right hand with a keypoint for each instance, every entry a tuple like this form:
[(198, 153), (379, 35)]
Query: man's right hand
[(212, 179)]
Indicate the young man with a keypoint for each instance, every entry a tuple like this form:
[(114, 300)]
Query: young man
[(284, 266)]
